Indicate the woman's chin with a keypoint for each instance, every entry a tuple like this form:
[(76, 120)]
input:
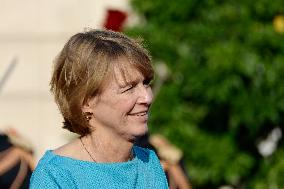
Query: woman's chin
[(140, 130)]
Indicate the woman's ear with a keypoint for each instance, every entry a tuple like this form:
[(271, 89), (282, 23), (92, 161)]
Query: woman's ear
[(88, 105), (88, 108)]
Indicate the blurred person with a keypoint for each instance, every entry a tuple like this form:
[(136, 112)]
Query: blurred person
[(171, 158), (101, 83), (16, 160)]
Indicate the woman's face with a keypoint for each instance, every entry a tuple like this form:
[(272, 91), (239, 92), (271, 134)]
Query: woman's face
[(123, 106)]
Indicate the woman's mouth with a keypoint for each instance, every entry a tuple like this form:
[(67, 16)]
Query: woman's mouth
[(142, 113)]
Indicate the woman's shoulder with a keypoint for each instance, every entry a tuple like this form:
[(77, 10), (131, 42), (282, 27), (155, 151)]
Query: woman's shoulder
[(144, 154), (47, 162), (70, 150), (57, 156), (54, 164), (50, 171)]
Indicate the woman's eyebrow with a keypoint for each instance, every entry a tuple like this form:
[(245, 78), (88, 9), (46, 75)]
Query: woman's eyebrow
[(127, 83), (132, 81)]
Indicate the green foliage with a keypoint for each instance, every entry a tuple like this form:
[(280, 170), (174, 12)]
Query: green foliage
[(225, 91), (270, 173)]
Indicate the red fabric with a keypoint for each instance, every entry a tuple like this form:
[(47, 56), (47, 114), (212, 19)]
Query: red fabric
[(115, 20)]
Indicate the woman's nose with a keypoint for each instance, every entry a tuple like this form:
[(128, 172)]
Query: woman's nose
[(145, 95)]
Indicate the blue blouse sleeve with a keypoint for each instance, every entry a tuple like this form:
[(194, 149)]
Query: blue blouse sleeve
[(50, 177), (161, 178)]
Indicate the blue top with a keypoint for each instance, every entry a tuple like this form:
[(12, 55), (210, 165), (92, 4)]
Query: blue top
[(142, 172)]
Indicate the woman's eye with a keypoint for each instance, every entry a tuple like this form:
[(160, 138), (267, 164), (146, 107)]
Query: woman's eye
[(128, 88), (147, 82)]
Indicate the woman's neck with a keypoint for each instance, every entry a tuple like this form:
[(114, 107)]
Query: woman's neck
[(108, 147)]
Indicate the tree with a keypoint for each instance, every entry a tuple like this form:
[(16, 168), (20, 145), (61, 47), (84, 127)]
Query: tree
[(225, 92)]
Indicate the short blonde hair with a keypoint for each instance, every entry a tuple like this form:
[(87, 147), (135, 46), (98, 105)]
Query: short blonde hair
[(83, 65)]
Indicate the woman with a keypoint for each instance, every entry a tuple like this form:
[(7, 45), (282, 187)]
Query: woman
[(101, 83)]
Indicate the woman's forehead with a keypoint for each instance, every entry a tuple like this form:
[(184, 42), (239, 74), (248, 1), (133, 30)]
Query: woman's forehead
[(121, 78), (126, 75), (124, 71)]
